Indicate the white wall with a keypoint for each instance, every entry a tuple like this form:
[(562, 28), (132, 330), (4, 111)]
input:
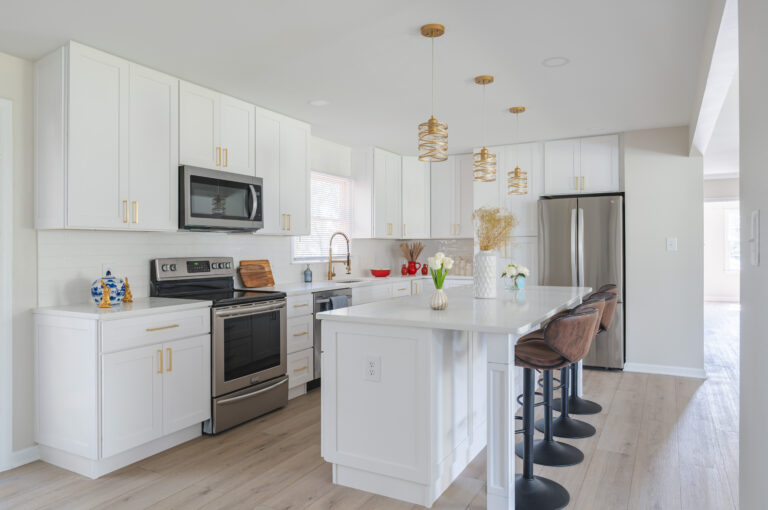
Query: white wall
[(331, 158), (16, 85), (664, 296), (721, 189), (720, 283), (753, 80)]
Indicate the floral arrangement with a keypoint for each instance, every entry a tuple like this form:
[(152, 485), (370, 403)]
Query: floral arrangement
[(514, 270), (439, 265), (493, 226)]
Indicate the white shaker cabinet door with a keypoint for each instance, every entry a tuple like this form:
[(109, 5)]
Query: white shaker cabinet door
[(465, 198), (186, 383), (294, 178), (443, 181), (131, 398), (268, 168), (154, 140), (600, 164), (97, 172), (561, 167), (415, 183), (387, 195), (199, 126), (238, 140)]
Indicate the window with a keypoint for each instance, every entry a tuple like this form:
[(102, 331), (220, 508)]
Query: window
[(732, 247), (331, 212)]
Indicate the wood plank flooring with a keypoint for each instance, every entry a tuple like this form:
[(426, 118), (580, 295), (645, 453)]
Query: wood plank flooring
[(662, 443)]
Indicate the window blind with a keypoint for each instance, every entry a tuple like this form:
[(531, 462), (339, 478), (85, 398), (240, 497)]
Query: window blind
[(331, 211)]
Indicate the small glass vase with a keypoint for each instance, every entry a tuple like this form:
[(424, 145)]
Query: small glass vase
[(439, 300), (516, 283)]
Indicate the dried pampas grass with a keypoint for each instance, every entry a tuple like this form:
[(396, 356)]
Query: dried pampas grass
[(493, 226)]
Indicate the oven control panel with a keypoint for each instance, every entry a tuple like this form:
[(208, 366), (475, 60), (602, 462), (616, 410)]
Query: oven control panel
[(192, 267)]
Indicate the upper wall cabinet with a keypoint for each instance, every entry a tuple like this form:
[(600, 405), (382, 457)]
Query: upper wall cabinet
[(451, 198), (282, 161), (106, 143), (416, 199), (377, 179), (581, 165), (216, 131)]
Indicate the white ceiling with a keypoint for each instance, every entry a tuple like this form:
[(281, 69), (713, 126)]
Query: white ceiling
[(633, 63), (721, 158)]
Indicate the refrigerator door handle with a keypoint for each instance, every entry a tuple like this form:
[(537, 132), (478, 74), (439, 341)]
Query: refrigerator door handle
[(581, 246), (574, 275)]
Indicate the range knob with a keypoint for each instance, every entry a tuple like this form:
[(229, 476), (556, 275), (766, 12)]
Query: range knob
[(229, 265), (164, 267), (215, 265), (173, 267)]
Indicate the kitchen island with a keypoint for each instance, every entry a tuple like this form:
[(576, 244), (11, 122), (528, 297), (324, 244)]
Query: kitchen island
[(411, 395)]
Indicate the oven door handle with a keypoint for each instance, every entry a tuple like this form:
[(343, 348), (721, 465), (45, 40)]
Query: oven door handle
[(254, 204), (242, 312), (249, 395)]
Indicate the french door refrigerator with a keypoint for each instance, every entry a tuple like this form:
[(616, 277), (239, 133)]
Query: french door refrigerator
[(581, 243)]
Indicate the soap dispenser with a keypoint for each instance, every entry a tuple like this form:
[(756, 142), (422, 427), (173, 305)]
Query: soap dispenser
[(307, 275)]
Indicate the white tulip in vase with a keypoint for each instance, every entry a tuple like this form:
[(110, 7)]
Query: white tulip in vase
[(492, 229), (439, 265)]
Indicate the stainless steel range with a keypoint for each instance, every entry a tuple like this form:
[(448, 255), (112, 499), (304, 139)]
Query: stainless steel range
[(248, 335)]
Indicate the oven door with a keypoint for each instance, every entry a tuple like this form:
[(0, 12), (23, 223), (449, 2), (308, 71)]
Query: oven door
[(249, 345), (215, 200)]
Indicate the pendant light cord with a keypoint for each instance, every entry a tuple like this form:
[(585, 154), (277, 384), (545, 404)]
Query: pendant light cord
[(517, 140), (484, 126), (433, 76)]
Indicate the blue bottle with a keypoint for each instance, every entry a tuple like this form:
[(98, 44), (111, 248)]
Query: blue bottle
[(307, 274)]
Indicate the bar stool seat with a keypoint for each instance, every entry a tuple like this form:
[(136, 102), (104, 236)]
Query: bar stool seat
[(536, 353)]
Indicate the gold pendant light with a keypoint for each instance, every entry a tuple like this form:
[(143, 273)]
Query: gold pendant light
[(433, 134), (485, 161), (517, 180)]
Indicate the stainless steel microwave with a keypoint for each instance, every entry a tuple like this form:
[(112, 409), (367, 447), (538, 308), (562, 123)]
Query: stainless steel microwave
[(216, 200)]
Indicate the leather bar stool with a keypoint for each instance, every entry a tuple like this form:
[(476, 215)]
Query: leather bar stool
[(563, 341), (564, 425), (576, 404)]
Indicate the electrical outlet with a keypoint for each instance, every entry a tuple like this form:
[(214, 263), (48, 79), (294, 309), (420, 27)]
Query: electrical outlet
[(671, 243), (372, 368), (107, 267)]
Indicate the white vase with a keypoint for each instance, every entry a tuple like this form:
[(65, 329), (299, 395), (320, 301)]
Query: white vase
[(485, 274), (439, 300)]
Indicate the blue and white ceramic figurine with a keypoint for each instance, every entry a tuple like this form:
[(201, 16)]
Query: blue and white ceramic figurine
[(116, 289)]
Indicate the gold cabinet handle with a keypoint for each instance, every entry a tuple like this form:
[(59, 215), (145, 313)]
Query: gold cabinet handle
[(218, 156), (135, 212), (170, 359), (300, 369), (403, 289), (160, 366), (405, 229), (125, 211), (582, 182), (226, 157), (290, 223), (301, 334), (300, 306), (163, 327)]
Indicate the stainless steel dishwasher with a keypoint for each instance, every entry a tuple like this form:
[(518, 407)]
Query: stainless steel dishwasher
[(322, 304)]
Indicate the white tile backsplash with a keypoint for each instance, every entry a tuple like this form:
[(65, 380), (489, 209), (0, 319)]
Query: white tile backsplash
[(70, 260)]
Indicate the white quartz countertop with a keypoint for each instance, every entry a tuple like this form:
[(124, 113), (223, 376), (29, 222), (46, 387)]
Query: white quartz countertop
[(346, 282), (514, 312), (140, 306)]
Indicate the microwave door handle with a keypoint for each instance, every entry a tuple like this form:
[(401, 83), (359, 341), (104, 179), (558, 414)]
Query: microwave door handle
[(254, 204)]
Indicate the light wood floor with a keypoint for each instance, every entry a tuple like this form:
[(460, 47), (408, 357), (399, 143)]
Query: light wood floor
[(662, 443)]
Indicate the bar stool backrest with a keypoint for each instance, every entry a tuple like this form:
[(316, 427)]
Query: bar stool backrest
[(570, 336), (610, 308), (596, 302), (609, 287)]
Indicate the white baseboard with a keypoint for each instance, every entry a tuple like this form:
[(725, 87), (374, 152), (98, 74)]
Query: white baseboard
[(21, 457), (697, 373)]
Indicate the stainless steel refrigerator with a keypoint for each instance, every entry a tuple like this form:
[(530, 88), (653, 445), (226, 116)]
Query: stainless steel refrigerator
[(581, 243)]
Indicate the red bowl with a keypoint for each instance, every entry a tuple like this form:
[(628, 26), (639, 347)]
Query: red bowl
[(380, 273)]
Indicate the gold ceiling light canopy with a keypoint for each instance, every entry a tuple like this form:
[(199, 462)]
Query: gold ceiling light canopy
[(433, 134), (485, 162), (517, 179)]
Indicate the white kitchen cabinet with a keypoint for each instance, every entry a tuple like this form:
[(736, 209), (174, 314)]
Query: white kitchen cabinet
[(452, 198), (529, 156), (300, 368), (401, 289), (387, 195), (416, 197), (215, 131), (300, 332), (106, 143), (371, 293), (141, 381), (581, 165), (282, 161)]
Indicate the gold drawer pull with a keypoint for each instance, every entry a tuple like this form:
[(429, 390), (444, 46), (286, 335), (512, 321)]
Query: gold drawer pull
[(301, 334), (125, 211), (160, 366), (403, 289), (163, 327), (300, 306), (170, 359), (226, 157), (218, 156), (300, 369)]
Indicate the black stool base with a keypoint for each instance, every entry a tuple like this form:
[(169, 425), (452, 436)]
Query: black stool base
[(567, 427), (578, 405), (552, 453), (540, 493)]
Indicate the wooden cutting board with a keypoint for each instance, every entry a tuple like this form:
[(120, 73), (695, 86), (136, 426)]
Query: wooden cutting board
[(256, 273)]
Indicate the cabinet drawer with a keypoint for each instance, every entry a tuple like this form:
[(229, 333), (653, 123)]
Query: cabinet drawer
[(117, 335), (299, 305), (300, 331), (300, 367), (401, 289), (371, 293)]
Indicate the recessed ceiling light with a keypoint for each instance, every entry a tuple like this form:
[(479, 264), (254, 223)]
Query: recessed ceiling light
[(555, 62), (319, 102)]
